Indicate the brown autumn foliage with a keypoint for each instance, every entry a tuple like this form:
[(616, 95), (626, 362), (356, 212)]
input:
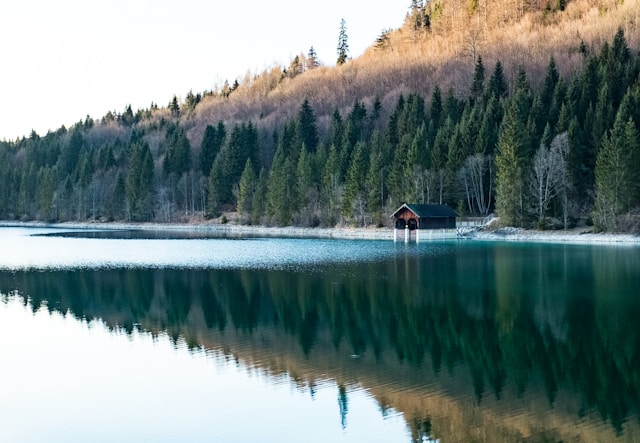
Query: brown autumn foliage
[(520, 32)]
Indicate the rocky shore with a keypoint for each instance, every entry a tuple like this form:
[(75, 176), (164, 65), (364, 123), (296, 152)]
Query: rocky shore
[(223, 229), (583, 235)]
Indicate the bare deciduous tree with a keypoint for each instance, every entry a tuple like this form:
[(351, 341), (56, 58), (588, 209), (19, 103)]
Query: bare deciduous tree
[(477, 176), (549, 176)]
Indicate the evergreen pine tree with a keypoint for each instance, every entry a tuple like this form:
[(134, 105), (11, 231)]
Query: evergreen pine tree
[(331, 186), (304, 175), (45, 193), (397, 180), (375, 180), (178, 157), (497, 86), (616, 68), (259, 198), (246, 189), (218, 187), (343, 45), (139, 182), (559, 96), (523, 96), (357, 123), (354, 181), (312, 59), (70, 155), (242, 145), (439, 158), (417, 157), (550, 81), (547, 136), (455, 159), (116, 202), (580, 164), (174, 108), (435, 111), (6, 187), (306, 128), (279, 188), (28, 185), (209, 148), (336, 128), (146, 182), (477, 83), (615, 173), (453, 107), (603, 116), (510, 169)]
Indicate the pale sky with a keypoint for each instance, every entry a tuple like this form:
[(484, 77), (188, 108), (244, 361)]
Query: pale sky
[(61, 60)]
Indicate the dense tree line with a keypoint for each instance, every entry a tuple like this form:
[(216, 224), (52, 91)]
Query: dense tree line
[(566, 150)]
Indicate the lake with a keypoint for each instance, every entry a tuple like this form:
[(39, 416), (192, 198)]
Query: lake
[(161, 337)]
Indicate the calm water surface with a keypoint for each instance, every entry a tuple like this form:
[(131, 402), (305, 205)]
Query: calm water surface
[(112, 336)]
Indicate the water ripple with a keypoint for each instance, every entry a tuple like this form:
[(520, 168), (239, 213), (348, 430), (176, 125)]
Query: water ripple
[(27, 249)]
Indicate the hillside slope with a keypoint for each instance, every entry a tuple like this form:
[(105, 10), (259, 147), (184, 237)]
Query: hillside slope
[(416, 61)]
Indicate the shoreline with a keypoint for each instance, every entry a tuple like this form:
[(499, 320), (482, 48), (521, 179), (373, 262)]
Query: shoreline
[(575, 236), (503, 234), (225, 229)]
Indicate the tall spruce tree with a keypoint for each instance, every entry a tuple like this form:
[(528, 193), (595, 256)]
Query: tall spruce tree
[(280, 188), (178, 157), (343, 44), (139, 182), (510, 195), (174, 107), (616, 180), (211, 143), (331, 186), (354, 181), (497, 86), (550, 81), (116, 203), (218, 187), (375, 180), (304, 179), (259, 198), (312, 59), (246, 188), (307, 131), (477, 83)]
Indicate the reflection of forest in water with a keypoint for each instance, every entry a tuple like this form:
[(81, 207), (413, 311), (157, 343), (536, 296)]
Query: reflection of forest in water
[(485, 325)]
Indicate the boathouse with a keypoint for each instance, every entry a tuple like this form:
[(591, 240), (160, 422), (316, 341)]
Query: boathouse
[(428, 221)]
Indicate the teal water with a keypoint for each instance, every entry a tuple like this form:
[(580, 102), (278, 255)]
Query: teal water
[(147, 338)]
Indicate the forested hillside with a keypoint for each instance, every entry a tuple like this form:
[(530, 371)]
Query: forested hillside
[(529, 110)]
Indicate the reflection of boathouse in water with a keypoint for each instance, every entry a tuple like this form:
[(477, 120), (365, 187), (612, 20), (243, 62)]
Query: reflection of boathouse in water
[(428, 221)]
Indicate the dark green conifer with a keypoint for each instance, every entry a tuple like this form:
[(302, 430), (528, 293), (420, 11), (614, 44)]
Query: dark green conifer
[(477, 83), (343, 44), (497, 86), (246, 188), (510, 170), (306, 127)]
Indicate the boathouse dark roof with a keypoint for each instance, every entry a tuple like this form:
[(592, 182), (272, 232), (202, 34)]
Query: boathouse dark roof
[(428, 211)]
